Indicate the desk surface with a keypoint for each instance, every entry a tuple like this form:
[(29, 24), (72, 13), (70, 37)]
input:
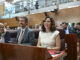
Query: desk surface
[(21, 52)]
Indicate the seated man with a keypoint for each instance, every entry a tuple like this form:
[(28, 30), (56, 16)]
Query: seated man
[(4, 36), (77, 29), (67, 29), (25, 35)]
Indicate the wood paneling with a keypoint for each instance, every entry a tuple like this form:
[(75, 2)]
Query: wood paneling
[(64, 15), (33, 19), (10, 22), (36, 18)]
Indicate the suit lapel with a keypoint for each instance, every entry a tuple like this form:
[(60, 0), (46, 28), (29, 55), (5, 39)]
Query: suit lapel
[(18, 33)]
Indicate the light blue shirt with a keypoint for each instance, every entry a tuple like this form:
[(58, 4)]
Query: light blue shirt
[(67, 31)]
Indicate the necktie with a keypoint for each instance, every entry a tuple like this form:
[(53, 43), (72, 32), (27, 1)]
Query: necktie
[(20, 36)]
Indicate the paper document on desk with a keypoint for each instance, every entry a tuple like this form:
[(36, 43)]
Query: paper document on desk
[(54, 53)]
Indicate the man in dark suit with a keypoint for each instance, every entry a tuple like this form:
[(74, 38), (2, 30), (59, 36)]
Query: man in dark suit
[(24, 34), (67, 29), (77, 29), (7, 37), (4, 35)]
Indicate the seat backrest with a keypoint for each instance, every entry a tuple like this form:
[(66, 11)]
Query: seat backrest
[(71, 41), (62, 44), (62, 33), (36, 33), (62, 38), (13, 34)]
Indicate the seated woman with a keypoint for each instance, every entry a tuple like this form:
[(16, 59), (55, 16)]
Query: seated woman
[(4, 36), (49, 36)]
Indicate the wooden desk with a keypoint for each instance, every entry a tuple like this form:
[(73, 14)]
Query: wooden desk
[(21, 52)]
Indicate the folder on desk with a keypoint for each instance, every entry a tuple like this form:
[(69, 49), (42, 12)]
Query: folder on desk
[(54, 53)]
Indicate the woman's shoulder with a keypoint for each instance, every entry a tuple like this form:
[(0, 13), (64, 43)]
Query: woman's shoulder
[(40, 32), (56, 32)]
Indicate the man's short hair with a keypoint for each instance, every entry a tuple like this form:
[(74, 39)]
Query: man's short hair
[(64, 23), (78, 23), (25, 19)]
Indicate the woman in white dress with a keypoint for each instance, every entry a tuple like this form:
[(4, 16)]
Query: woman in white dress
[(49, 36)]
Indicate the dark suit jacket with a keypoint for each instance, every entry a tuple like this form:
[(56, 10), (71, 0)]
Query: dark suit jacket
[(77, 31), (71, 30), (7, 37), (28, 37)]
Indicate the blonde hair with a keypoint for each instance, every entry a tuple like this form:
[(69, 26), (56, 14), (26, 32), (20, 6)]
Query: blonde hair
[(3, 26)]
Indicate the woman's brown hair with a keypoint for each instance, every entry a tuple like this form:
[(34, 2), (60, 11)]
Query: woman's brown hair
[(52, 28)]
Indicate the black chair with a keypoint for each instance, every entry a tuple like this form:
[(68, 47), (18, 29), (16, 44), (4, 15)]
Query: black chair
[(62, 37), (13, 34)]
